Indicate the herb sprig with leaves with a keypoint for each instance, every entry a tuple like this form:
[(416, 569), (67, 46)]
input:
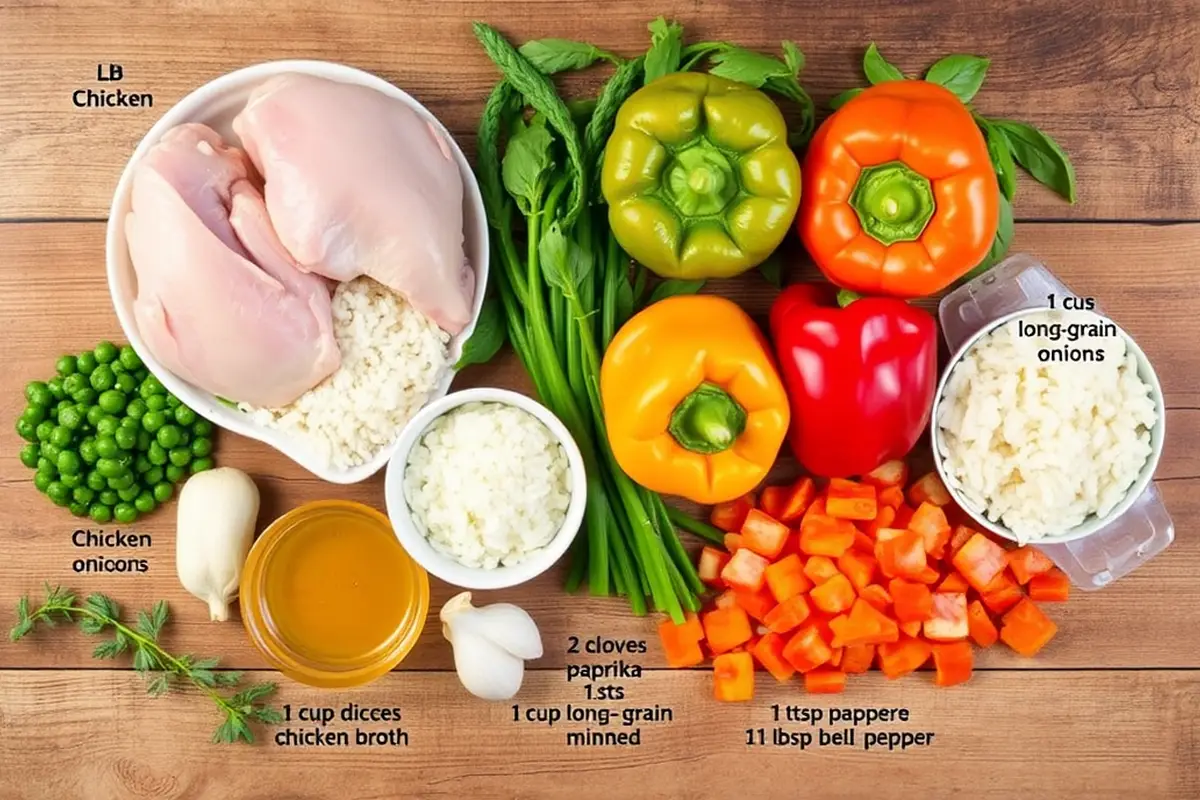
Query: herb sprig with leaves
[(100, 615)]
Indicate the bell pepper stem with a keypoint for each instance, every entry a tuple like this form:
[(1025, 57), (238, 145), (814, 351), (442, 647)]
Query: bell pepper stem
[(893, 202), (845, 297), (708, 420)]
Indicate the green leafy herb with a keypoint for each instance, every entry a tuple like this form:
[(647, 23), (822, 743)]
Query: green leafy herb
[(842, 98), (666, 46), (793, 56), (747, 66), (527, 164), (1000, 245), (99, 615), (1041, 155), (616, 91), (772, 270), (1001, 156), (780, 77), (488, 336), (553, 56), (878, 69), (670, 288), (565, 264), (960, 73)]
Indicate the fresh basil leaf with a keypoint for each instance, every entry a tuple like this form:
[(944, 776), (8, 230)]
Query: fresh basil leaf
[(877, 68), (772, 270), (1040, 155), (670, 288), (960, 73), (666, 48), (793, 56), (1000, 245), (526, 161), (553, 56), (564, 263), (840, 100), (748, 66), (488, 336), (1001, 156)]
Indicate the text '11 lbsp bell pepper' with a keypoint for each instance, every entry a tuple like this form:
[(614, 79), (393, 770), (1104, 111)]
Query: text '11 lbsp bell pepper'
[(692, 398), (860, 378)]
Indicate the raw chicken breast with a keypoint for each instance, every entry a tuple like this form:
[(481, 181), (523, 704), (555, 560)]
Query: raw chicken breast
[(219, 301), (359, 184)]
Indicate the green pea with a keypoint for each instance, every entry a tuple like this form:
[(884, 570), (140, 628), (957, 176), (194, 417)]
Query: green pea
[(126, 383), (125, 438), (71, 481), (73, 383), (168, 436), (145, 502), (86, 362), (174, 402), (112, 401), (87, 450), (109, 497), (118, 369), (65, 365), (125, 460), (153, 420), (66, 402), (156, 402), (27, 430), (185, 439), (106, 352), (60, 436), (202, 465), (107, 426), (175, 473), (55, 387), (107, 447), (87, 396), (151, 386), (34, 414), (201, 447), (78, 509), (94, 415), (123, 481), (109, 467), (71, 418), (129, 493), (50, 452), (157, 454), (180, 456), (96, 482), (102, 378), (69, 462), (125, 513), (44, 430), (202, 428), (154, 475), (59, 495), (38, 394), (30, 454), (163, 491), (136, 408), (141, 464), (45, 464), (100, 512), (82, 494), (129, 358), (143, 441), (42, 481), (185, 416), (130, 423)]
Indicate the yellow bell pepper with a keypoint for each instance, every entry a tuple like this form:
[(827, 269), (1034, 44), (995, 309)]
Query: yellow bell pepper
[(693, 403)]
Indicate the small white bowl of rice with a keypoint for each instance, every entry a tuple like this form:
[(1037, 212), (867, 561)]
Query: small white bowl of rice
[(486, 488), (1048, 425)]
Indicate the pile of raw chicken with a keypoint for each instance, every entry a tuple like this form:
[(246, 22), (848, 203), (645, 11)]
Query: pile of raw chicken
[(235, 249)]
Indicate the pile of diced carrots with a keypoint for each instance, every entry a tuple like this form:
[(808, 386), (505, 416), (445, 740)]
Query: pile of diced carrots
[(828, 582)]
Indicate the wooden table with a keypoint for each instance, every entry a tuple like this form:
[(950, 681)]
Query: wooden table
[(1109, 710)]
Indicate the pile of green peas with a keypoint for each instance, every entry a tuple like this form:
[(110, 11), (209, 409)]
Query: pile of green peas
[(105, 437)]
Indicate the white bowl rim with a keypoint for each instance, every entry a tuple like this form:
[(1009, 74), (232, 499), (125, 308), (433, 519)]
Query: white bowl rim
[(1093, 523), (445, 567), (204, 403)]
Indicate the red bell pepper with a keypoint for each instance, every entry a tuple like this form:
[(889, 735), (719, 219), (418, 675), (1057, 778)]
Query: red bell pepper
[(860, 378)]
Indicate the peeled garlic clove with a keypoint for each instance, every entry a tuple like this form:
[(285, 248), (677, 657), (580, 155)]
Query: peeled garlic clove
[(512, 628), (485, 669)]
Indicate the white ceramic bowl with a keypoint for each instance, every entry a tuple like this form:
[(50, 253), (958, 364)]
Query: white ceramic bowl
[(445, 567), (1092, 523), (215, 104)]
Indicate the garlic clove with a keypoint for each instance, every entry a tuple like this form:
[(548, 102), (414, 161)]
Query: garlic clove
[(485, 669), (512, 628)]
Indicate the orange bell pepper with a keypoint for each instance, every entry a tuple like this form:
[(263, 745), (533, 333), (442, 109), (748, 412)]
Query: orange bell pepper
[(693, 404), (786, 579), (733, 542), (953, 582), (799, 498), (681, 643), (763, 534), (858, 567), (901, 556), (892, 497), (929, 489), (913, 601), (746, 570), (825, 680), (888, 474), (710, 564), (815, 509), (930, 521), (884, 517), (730, 516), (756, 604), (865, 624), (897, 659), (1026, 629), (911, 629), (864, 544), (1001, 594), (826, 536), (726, 599), (788, 615), (948, 620), (806, 650), (980, 560), (733, 677), (849, 500), (961, 535), (1050, 587), (954, 663), (857, 658), (820, 569), (979, 623), (834, 595), (768, 651), (771, 500), (877, 596), (726, 628), (1026, 562)]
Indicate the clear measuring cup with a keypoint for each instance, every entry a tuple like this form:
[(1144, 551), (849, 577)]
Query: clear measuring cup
[(1145, 529)]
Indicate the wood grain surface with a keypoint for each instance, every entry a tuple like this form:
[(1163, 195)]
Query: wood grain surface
[(1108, 710)]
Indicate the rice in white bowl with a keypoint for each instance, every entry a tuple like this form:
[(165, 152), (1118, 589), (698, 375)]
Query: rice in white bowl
[(392, 359), (1040, 446), (488, 485)]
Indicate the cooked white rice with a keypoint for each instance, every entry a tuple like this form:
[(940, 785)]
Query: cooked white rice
[(488, 485), (1040, 446), (392, 359)]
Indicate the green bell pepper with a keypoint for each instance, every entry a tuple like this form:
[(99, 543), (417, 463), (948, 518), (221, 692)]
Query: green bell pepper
[(698, 176)]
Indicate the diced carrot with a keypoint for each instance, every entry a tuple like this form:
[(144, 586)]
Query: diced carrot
[(834, 595), (806, 650), (961, 535), (886, 534), (849, 500), (733, 542), (980, 560), (1026, 629), (835, 660), (889, 473), (826, 536), (948, 622), (1027, 561), (979, 623), (928, 576), (770, 500), (726, 599), (815, 509), (788, 614), (730, 516), (763, 534), (681, 643), (726, 628), (953, 663), (756, 604), (797, 500), (786, 579), (884, 517), (710, 564), (863, 625), (1050, 587), (859, 567), (733, 677), (954, 582), (897, 659), (769, 652), (820, 569), (825, 680), (930, 521), (904, 515), (928, 489), (912, 602), (892, 497), (902, 556), (857, 658), (745, 570), (877, 596), (1001, 594)]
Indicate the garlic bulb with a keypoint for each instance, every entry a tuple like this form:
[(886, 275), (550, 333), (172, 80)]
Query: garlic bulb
[(491, 645), (213, 532)]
